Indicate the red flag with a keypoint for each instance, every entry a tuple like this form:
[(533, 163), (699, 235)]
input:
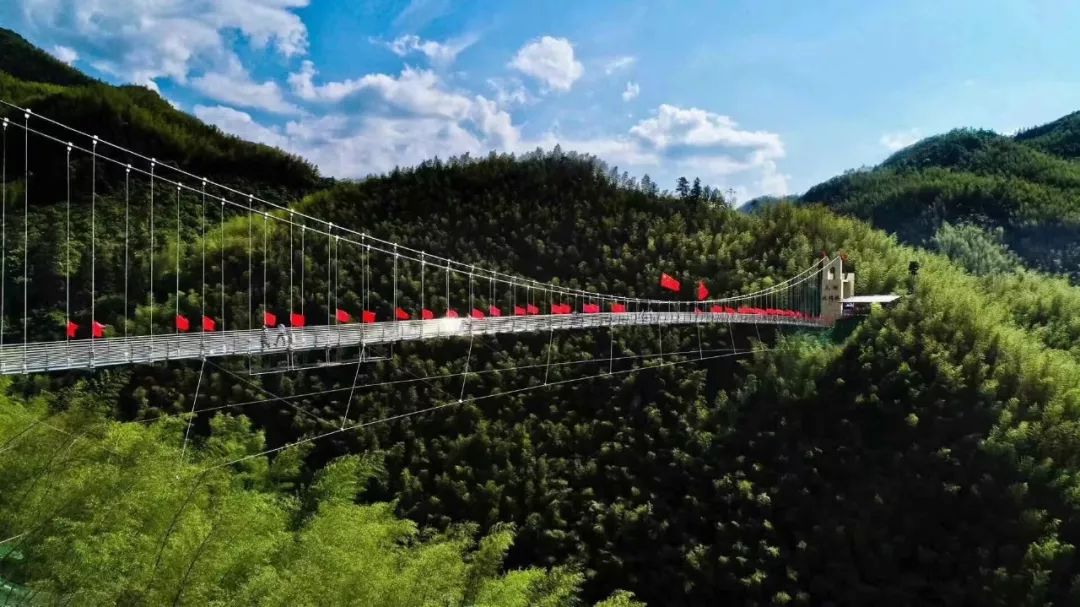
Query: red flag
[(716, 309), (400, 314), (519, 311), (426, 314), (451, 313), (208, 324), (493, 311), (296, 320), (560, 308), (702, 291), (98, 329), (72, 329), (728, 310), (182, 323), (590, 308), (269, 319), (669, 283), (531, 309), (342, 316), (367, 317), (476, 313), (618, 308)]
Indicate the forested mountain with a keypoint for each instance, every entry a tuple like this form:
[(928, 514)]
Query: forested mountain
[(1029, 185), (27, 62), (138, 118), (1060, 137), (928, 456)]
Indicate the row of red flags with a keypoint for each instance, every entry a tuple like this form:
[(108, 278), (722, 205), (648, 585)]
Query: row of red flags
[(297, 320), (367, 316), (672, 284)]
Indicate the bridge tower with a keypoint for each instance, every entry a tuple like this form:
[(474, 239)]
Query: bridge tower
[(836, 286)]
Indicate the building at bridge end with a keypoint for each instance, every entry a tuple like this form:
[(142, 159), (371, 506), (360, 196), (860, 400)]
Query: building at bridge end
[(836, 286)]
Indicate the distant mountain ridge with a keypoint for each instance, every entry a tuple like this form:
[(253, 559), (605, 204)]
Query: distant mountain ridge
[(27, 62), (139, 118), (1028, 185)]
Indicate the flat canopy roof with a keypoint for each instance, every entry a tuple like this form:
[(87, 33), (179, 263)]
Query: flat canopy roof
[(871, 299)]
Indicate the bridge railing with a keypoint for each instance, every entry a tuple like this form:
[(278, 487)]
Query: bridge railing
[(144, 349)]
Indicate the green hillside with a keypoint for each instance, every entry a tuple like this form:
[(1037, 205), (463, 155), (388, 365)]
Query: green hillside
[(27, 62), (1028, 185), (1060, 137), (930, 455), (138, 118)]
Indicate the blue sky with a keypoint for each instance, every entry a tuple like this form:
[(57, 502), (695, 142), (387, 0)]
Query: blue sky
[(764, 97)]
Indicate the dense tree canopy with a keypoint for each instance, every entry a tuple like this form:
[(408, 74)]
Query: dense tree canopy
[(924, 455)]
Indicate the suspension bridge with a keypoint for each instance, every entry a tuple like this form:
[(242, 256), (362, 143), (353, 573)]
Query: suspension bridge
[(376, 292)]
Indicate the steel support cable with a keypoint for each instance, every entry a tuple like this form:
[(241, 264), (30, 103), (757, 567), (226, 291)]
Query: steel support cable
[(150, 283), (191, 416), (221, 247), (202, 302), (337, 282), (463, 266), (428, 379), (292, 296), (331, 315), (67, 263), (551, 340), (365, 236), (394, 306), (127, 244), (303, 252), (365, 279), (451, 403), (3, 233), (265, 261), (274, 397), (352, 388), (26, 232), (177, 268)]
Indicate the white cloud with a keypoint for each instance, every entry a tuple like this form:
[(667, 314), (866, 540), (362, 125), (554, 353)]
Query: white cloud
[(235, 87), (149, 39), (551, 61), (509, 93), (240, 124), (632, 90), (65, 54), (406, 119), (416, 92), (695, 142), (421, 93), (419, 13), (619, 63), (304, 87), (420, 119), (675, 127), (439, 54), (899, 140)]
